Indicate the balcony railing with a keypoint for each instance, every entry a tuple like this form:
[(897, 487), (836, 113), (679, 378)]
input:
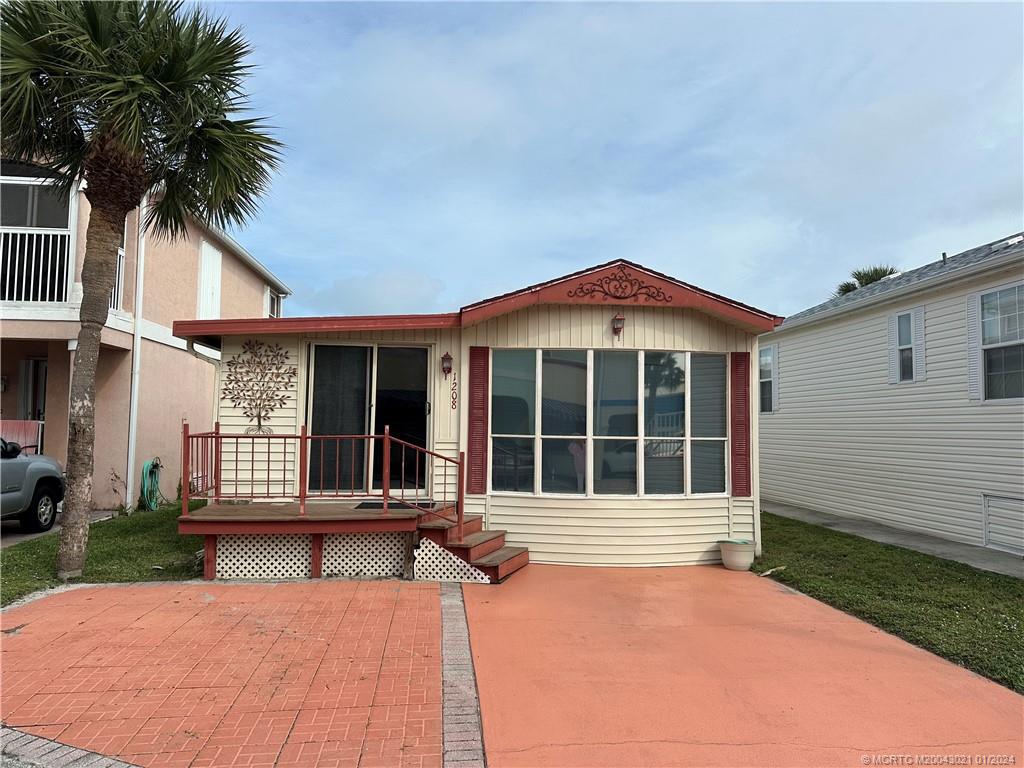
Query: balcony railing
[(220, 466), (35, 264)]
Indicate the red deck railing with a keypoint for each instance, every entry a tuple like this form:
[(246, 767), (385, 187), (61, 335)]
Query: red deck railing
[(222, 466)]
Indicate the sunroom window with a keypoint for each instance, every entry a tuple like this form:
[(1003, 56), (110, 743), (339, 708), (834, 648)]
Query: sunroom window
[(608, 422), (36, 206)]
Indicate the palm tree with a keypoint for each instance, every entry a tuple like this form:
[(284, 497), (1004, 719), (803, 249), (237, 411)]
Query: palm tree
[(865, 276), (135, 99)]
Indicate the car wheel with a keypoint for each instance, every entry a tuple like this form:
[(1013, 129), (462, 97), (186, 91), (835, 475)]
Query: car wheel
[(42, 513)]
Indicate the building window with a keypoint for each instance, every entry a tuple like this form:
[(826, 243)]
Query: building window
[(275, 304), (608, 422), (513, 402), (33, 206), (1002, 334), (905, 346), (766, 378)]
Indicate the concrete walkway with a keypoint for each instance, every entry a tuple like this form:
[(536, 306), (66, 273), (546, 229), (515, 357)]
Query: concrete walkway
[(979, 557), (700, 666)]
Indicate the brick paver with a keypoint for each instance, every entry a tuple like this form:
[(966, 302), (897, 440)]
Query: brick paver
[(330, 673)]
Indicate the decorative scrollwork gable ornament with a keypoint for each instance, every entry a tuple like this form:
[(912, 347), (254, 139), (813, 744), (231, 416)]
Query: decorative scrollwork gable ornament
[(257, 380), (620, 285)]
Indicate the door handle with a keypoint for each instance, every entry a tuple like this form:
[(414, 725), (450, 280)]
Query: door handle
[(428, 407)]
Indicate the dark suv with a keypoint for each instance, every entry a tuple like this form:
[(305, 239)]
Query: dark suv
[(33, 486)]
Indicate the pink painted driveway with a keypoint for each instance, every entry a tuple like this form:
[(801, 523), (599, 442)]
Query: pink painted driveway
[(700, 666)]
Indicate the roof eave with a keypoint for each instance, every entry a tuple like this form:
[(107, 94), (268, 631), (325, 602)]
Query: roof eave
[(923, 285)]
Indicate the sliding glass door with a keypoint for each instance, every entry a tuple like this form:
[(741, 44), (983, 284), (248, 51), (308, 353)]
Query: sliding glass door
[(358, 390)]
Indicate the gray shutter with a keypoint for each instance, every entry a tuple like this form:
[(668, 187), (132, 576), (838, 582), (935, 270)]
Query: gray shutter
[(917, 321), (894, 375), (775, 378), (974, 346)]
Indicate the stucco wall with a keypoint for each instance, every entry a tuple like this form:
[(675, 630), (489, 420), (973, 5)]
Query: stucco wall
[(113, 373), (175, 387)]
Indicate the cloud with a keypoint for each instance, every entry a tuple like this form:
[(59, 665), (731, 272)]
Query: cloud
[(441, 153)]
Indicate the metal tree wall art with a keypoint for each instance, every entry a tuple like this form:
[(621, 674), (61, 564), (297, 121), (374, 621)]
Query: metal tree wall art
[(257, 380)]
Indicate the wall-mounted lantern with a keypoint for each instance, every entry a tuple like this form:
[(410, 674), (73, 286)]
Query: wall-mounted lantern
[(446, 364), (618, 323)]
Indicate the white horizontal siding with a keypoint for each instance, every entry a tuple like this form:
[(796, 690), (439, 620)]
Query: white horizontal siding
[(916, 455)]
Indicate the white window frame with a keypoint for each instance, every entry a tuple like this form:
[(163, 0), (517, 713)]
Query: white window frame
[(773, 378), (916, 345), (278, 299), (900, 347), (211, 268), (982, 346), (687, 438)]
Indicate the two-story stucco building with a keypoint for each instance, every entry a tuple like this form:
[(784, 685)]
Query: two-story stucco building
[(148, 381)]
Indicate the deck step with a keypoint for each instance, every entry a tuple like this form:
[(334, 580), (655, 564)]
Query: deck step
[(476, 545), (502, 563), (444, 531)]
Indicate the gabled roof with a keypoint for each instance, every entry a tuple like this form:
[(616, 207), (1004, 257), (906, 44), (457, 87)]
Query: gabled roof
[(989, 256), (622, 282), (615, 284)]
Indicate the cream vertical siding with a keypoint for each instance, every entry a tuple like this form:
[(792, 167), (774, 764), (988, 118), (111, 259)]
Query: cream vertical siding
[(915, 455), (603, 530)]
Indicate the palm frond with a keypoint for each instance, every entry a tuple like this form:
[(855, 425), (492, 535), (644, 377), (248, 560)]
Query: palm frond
[(869, 275), (160, 83), (845, 287)]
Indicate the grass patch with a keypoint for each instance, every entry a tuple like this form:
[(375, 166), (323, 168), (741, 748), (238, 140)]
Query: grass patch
[(973, 618), (121, 549)]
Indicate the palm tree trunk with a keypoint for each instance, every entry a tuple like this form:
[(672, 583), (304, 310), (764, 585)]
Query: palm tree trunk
[(98, 274)]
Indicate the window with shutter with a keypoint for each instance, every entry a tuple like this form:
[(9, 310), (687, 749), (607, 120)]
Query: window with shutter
[(476, 437), (739, 413)]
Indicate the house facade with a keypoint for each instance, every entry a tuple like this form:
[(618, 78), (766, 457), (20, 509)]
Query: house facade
[(607, 417), (903, 402), (148, 381)]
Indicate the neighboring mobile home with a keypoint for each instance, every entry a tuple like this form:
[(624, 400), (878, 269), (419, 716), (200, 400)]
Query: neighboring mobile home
[(607, 417), (147, 381), (903, 402)]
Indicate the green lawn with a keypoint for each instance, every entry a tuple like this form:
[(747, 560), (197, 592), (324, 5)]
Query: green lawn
[(973, 618), (122, 549)]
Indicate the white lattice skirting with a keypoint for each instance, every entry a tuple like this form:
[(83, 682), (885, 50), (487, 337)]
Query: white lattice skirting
[(372, 555), (264, 556), (434, 563)]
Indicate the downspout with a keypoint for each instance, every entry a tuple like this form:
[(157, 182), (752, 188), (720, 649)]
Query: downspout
[(133, 398)]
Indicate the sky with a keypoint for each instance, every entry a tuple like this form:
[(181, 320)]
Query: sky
[(441, 153)]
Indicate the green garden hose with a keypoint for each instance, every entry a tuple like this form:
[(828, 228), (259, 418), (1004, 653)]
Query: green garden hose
[(151, 497)]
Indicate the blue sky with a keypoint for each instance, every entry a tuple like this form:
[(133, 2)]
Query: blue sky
[(442, 153)]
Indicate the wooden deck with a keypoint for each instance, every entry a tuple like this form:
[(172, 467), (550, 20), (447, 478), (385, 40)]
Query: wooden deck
[(286, 517)]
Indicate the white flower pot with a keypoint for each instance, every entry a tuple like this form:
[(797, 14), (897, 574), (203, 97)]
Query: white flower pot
[(737, 554)]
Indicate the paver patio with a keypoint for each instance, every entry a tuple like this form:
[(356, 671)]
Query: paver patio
[(332, 673), (701, 666)]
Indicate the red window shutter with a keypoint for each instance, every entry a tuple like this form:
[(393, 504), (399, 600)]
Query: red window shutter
[(479, 402), (739, 428)]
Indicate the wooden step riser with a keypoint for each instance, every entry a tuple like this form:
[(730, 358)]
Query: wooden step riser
[(469, 554), (501, 572), (444, 536)]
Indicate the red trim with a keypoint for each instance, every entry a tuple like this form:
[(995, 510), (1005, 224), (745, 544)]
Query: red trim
[(209, 557), (209, 330), (191, 525), (476, 438), (739, 429), (660, 290), (318, 556)]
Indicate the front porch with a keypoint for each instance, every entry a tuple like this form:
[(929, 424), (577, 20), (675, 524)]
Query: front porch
[(272, 512)]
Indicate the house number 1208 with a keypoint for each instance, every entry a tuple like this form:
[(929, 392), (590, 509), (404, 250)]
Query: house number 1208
[(455, 390)]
